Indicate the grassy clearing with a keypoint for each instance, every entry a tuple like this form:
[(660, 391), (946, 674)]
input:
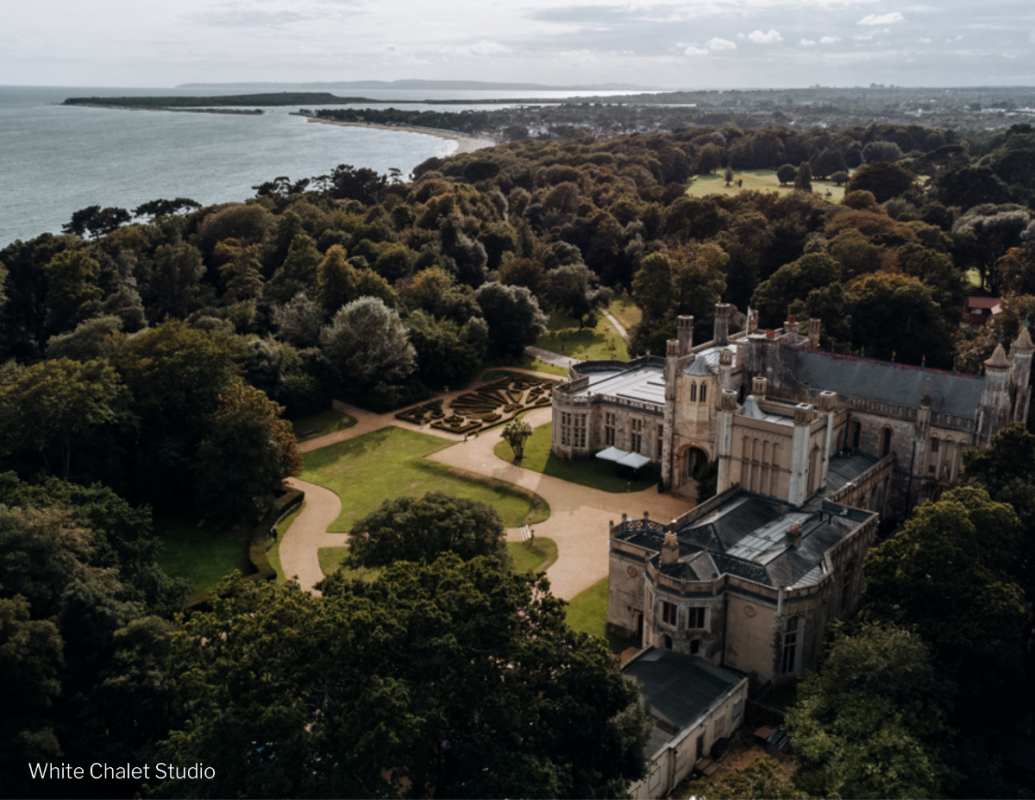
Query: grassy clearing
[(200, 553), (390, 463), (974, 277), (334, 559), (758, 180), (587, 612), (536, 556), (321, 424), (273, 547), (592, 472), (624, 309), (527, 362), (599, 341)]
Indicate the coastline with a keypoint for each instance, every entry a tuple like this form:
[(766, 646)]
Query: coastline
[(465, 143)]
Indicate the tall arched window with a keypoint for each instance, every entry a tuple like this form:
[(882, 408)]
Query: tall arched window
[(885, 442), (693, 392), (704, 392)]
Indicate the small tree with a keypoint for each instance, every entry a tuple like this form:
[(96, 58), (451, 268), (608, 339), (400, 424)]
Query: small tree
[(516, 433), (728, 175), (786, 174), (803, 180)]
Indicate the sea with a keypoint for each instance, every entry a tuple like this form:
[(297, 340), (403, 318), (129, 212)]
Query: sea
[(55, 160)]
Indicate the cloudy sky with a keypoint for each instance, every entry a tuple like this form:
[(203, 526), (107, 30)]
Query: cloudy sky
[(684, 43)]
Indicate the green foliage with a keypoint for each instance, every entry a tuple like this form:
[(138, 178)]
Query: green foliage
[(884, 179), (516, 433), (514, 318), (368, 343), (248, 452), (488, 674), (872, 722), (416, 529), (764, 777)]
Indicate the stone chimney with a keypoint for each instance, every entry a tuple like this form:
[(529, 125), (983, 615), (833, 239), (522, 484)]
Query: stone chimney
[(722, 324), (827, 401), (793, 537), (814, 328), (759, 387), (670, 549), (686, 335)]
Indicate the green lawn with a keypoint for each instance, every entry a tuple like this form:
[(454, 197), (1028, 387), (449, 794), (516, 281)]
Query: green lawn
[(332, 558), (592, 472), (759, 180), (599, 341), (322, 423), (536, 556), (273, 548), (624, 309), (587, 612), (200, 553), (390, 463)]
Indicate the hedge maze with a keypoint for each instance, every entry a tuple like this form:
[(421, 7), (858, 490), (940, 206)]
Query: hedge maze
[(495, 402)]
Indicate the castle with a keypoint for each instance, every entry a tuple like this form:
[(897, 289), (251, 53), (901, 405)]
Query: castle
[(813, 449)]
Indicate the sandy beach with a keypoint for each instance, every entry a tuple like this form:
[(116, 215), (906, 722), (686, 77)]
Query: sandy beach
[(465, 144)]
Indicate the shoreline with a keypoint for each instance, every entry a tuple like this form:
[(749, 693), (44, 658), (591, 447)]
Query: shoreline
[(465, 143)]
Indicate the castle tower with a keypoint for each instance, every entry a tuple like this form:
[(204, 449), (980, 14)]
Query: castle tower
[(722, 324), (994, 409), (1020, 374), (672, 348), (686, 335), (724, 439), (798, 491), (726, 369)]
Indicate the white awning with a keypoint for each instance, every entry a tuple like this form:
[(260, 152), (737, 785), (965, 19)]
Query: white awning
[(633, 460), (612, 454)]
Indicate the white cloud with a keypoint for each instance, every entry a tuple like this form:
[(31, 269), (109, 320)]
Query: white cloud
[(765, 38), (925, 40), (694, 50), (716, 44), (485, 47), (881, 19), (830, 40), (807, 42)]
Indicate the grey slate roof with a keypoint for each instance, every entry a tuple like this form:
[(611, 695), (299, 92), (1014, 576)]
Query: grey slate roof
[(677, 688), (958, 395), (699, 367), (846, 467)]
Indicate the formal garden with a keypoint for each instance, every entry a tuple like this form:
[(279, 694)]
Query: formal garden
[(505, 396)]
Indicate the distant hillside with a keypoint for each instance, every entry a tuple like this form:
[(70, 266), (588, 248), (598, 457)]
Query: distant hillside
[(267, 99), (427, 85)]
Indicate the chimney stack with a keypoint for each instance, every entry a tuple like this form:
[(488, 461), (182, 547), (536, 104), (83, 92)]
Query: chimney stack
[(793, 538), (722, 324), (686, 335), (670, 549)]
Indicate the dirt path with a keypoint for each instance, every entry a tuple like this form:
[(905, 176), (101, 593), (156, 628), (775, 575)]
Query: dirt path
[(578, 520), (579, 515), (618, 325)]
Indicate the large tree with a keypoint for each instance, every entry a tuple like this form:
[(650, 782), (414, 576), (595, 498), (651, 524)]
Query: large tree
[(415, 529), (873, 721), (514, 318), (368, 343), (454, 679)]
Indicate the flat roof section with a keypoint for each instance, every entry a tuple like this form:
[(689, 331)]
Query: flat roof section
[(644, 384)]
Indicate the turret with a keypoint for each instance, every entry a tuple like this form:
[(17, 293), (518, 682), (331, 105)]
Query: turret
[(790, 327), (1020, 374), (721, 336), (686, 335), (726, 369), (672, 347), (798, 490), (724, 438), (994, 410)]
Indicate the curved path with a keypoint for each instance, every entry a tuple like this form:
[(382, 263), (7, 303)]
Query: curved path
[(579, 515), (618, 325), (300, 546)]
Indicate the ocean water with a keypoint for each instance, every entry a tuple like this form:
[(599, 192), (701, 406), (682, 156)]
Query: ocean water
[(57, 159)]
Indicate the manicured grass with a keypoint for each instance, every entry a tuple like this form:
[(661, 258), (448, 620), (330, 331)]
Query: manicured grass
[(390, 463), (332, 560), (592, 472), (322, 423), (527, 362), (624, 309), (536, 556), (273, 548), (587, 612), (758, 180), (599, 341), (200, 553), (974, 277)]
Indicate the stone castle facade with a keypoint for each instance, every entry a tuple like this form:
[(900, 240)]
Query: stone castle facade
[(813, 449)]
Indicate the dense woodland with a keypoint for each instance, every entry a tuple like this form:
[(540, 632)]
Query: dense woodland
[(148, 359)]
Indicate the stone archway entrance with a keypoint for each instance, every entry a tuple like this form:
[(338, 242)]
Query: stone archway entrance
[(695, 458)]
